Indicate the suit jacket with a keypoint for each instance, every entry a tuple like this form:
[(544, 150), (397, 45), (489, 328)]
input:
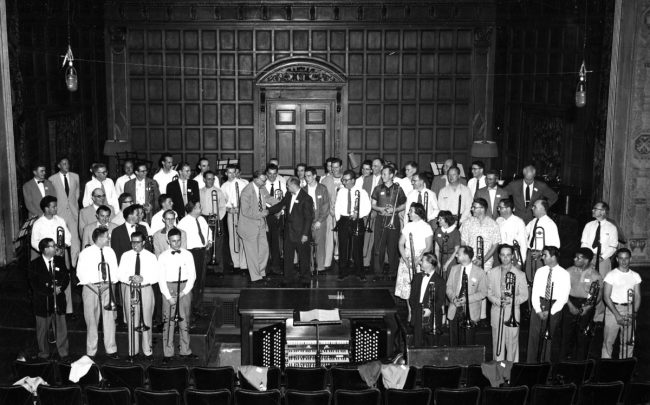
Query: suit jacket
[(322, 203), (297, 222), (87, 234), (416, 290), (121, 239), (129, 187), (251, 220), (492, 208), (367, 184), (477, 290), (40, 280), (87, 216), (439, 183), (494, 294), (67, 205), (539, 189), (32, 196), (174, 191)]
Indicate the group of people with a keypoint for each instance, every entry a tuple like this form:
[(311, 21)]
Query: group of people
[(450, 244)]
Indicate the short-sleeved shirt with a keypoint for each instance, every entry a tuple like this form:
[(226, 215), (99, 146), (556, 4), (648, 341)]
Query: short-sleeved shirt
[(621, 282), (421, 231), (385, 196)]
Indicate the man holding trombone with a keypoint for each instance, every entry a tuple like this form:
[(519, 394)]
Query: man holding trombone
[(507, 290), (622, 298), (138, 270), (213, 210)]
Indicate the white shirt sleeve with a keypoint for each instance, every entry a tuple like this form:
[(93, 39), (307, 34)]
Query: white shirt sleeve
[(191, 274)]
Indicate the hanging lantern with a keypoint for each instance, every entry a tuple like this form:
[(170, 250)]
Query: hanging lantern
[(71, 80), (581, 88)]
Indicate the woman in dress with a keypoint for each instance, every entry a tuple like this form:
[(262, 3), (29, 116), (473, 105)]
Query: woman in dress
[(447, 241), (422, 243)]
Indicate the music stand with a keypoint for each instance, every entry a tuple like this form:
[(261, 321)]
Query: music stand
[(316, 323)]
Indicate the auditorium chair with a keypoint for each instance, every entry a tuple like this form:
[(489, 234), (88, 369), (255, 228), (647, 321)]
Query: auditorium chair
[(40, 368), (59, 395), (347, 378), (529, 374), (505, 395), (610, 370), (434, 377), (207, 397), (416, 396), (457, 396), (107, 396), (475, 377), (168, 378), (148, 397), (91, 377), (637, 393), (305, 379), (552, 394), (600, 393), (213, 378), (15, 395), (272, 380), (411, 380), (577, 372), (250, 397), (370, 396), (312, 397), (128, 376)]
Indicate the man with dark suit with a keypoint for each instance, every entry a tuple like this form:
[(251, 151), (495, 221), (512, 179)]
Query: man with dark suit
[(525, 192), (441, 181), (299, 209), (143, 190), (369, 184), (48, 277), (66, 185), (35, 189), (422, 303), (87, 215), (183, 190), (321, 198), (492, 193)]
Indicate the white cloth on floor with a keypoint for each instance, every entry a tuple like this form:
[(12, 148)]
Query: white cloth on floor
[(256, 376), (31, 383), (394, 375), (370, 372), (80, 368)]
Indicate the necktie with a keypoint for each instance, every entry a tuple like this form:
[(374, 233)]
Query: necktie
[(476, 191), (102, 264), (549, 283), (137, 264), (597, 237), (260, 205), (198, 225), (462, 281), (102, 187), (66, 184), (527, 194), (532, 238), (51, 272), (420, 197), (272, 190), (349, 202), (184, 192)]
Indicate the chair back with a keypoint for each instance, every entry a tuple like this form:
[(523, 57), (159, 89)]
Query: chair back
[(91, 377), (40, 368), (347, 378), (529, 374), (305, 379), (600, 393), (213, 378), (553, 394), (505, 395), (416, 396), (609, 370), (409, 384), (295, 397), (248, 397), (475, 377), (637, 393), (457, 396), (165, 397), (168, 378), (64, 395), (207, 397), (127, 376), (15, 395), (434, 377), (107, 396), (272, 380), (577, 372), (370, 396)]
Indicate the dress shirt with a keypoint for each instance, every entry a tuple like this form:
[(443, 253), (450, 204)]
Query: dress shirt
[(293, 201), (359, 181), (621, 282), (421, 231), (312, 193), (199, 179), (486, 228), (405, 183), (163, 179), (514, 229), (551, 235), (471, 184), (41, 186), (157, 222), (231, 193), (148, 267), (46, 228), (88, 269), (140, 196), (206, 201), (277, 185), (341, 208), (467, 269), (608, 237), (561, 288), (424, 285), (188, 224), (121, 181), (448, 200), (160, 242), (109, 190), (412, 197), (375, 181), (169, 264)]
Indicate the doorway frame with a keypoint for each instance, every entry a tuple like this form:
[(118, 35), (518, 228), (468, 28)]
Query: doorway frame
[(300, 79)]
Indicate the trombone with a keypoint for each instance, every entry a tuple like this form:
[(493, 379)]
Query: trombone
[(214, 223), (432, 328), (426, 206), (53, 332), (236, 220), (177, 316), (413, 264), (545, 336), (358, 222), (105, 269), (467, 323), (391, 223), (135, 300), (511, 281), (480, 250), (627, 333), (519, 262), (151, 204), (592, 299), (60, 241)]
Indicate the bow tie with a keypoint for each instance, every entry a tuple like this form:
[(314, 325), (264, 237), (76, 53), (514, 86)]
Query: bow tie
[(40, 181), (176, 252)]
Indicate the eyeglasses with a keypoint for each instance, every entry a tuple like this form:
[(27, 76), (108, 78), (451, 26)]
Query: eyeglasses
[(99, 196)]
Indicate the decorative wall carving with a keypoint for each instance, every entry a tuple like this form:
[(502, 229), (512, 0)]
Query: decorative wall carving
[(301, 74)]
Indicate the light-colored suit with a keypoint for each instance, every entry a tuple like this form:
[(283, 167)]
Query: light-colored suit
[(68, 208), (477, 290), (87, 234), (439, 182), (252, 229), (32, 196), (510, 339), (322, 215), (492, 205), (87, 216)]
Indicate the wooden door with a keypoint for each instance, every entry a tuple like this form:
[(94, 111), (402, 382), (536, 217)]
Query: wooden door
[(300, 132)]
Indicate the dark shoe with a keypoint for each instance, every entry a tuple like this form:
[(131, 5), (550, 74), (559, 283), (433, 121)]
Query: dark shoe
[(362, 277), (148, 359), (190, 356), (113, 356), (166, 360)]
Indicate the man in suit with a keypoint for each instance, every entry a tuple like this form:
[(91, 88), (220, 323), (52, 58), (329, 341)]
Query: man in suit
[(143, 190), (321, 198), (477, 181), (232, 189), (123, 179), (183, 190), (299, 216), (103, 216), (525, 192), (422, 303), (492, 193), (252, 226), (49, 277), (502, 302), (441, 181), (87, 215), (66, 185), (100, 180), (35, 189), (457, 295), (369, 184), (333, 183), (277, 188)]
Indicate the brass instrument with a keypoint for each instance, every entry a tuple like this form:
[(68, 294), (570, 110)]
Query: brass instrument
[(426, 207), (52, 339), (413, 265), (151, 203), (105, 270), (279, 195), (592, 299), (519, 261), (511, 281), (174, 178), (134, 299), (215, 224), (480, 250), (467, 323), (538, 234), (391, 223), (460, 202), (60, 241), (148, 243), (314, 262), (358, 222), (431, 327), (627, 333), (545, 337), (236, 220), (177, 316)]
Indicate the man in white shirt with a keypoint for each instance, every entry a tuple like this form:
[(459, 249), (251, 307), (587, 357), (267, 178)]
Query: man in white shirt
[(620, 286), (478, 177), (97, 269), (551, 287), (165, 202), (455, 197), (300, 174), (139, 271), (541, 231), (369, 184), (513, 229), (166, 173), (100, 180), (277, 189), (128, 175), (177, 276), (321, 198), (410, 169), (213, 210), (417, 195), (232, 188), (47, 225), (366, 171), (202, 167)]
